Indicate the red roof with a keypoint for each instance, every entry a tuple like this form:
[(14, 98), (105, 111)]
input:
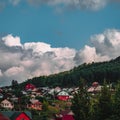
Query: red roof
[(63, 98), (68, 117), (30, 87), (2, 117), (65, 115), (22, 116)]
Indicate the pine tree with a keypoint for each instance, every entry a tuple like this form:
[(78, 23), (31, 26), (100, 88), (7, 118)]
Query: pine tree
[(116, 104), (80, 103), (104, 104)]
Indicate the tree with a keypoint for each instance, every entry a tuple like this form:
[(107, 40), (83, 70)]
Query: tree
[(44, 113), (81, 102), (104, 109), (116, 104), (14, 84)]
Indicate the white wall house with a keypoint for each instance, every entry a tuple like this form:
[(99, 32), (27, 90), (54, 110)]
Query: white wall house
[(7, 104)]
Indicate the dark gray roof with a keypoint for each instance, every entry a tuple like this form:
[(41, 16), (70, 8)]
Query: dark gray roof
[(13, 114)]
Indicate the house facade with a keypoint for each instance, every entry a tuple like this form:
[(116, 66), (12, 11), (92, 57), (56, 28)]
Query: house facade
[(65, 115), (63, 95), (34, 104), (7, 104)]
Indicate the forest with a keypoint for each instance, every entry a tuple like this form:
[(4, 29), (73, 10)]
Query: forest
[(109, 70), (104, 105)]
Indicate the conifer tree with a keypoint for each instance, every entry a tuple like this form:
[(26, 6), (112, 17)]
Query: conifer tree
[(116, 105), (104, 104), (80, 103)]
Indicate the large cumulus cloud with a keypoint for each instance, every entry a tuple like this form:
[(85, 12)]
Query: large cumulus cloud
[(79, 4), (22, 61), (104, 46)]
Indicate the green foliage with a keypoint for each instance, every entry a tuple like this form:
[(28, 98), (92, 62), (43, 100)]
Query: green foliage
[(104, 108), (17, 92), (45, 106), (14, 84), (80, 103), (36, 115), (41, 98), (116, 99)]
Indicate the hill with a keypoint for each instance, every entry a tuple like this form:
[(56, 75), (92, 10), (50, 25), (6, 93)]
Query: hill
[(109, 70)]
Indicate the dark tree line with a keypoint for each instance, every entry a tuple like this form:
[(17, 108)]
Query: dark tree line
[(109, 70)]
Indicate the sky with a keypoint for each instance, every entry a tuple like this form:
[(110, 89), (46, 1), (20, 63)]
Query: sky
[(43, 37)]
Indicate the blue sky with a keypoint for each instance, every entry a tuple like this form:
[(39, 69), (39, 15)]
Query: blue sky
[(70, 27), (43, 37)]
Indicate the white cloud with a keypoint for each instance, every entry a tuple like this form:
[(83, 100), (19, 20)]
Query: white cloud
[(107, 43), (11, 41), (90, 4), (38, 47), (13, 71), (22, 61), (89, 55), (73, 4), (32, 59), (64, 52), (106, 46)]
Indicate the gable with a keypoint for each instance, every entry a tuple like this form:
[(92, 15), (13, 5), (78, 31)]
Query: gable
[(13, 115), (63, 93), (22, 116), (6, 102)]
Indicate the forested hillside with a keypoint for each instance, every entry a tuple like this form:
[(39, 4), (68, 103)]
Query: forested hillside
[(109, 70)]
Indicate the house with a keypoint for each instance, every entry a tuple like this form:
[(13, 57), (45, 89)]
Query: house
[(24, 92), (17, 115), (29, 87), (52, 91), (95, 88), (65, 115), (63, 95), (68, 117), (34, 104), (57, 89), (7, 104)]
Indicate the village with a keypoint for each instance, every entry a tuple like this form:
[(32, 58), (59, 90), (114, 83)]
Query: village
[(23, 104)]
